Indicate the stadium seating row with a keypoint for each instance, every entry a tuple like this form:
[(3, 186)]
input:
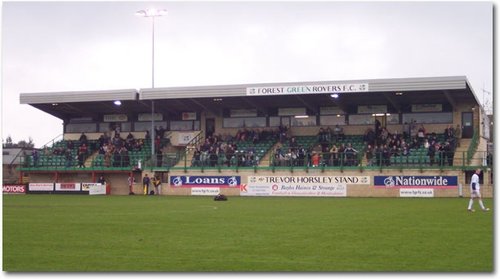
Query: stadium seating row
[(59, 155)]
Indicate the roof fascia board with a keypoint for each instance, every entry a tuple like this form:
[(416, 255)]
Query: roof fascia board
[(78, 96), (239, 90), (474, 94)]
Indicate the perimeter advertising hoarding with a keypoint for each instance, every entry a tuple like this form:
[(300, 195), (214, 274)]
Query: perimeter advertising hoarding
[(310, 186), (77, 188), (94, 188), (14, 189), (187, 181), (68, 187), (42, 187), (437, 182), (205, 191), (416, 193)]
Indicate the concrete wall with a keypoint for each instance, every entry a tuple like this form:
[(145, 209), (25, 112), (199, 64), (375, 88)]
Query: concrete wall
[(10, 174), (119, 184)]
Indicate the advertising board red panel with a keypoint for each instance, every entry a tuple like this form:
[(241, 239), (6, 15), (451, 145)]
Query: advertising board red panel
[(14, 189)]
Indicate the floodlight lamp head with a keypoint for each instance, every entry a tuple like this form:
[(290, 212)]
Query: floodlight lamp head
[(151, 12), (140, 13)]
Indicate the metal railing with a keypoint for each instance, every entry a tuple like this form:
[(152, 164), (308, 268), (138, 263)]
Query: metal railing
[(326, 161), (473, 146), (190, 146), (20, 155), (54, 140), (242, 160)]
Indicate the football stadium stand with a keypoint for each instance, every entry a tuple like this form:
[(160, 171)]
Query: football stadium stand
[(372, 128)]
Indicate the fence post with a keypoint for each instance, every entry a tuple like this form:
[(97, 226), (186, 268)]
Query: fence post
[(185, 160), (342, 157)]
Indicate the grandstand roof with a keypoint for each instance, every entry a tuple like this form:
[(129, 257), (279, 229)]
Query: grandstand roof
[(78, 103), (397, 93)]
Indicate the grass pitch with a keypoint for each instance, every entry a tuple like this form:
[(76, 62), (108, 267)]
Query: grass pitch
[(197, 234)]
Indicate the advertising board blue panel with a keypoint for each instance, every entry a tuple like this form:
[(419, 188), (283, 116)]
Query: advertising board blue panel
[(416, 181)]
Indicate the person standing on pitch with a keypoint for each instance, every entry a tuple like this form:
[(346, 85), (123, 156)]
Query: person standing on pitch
[(475, 192), (130, 181), (101, 180), (156, 183), (145, 184)]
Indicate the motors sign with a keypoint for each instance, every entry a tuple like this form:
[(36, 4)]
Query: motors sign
[(443, 182), (187, 181), (14, 189)]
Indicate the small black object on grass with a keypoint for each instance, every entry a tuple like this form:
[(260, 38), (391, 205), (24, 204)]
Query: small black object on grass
[(220, 197)]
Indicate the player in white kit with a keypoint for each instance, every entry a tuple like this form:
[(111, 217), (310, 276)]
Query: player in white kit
[(475, 192)]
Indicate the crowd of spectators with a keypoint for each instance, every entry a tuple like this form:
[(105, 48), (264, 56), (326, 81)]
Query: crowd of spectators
[(327, 136), (72, 153), (114, 150), (321, 154), (381, 146), (330, 149), (218, 150), (294, 155)]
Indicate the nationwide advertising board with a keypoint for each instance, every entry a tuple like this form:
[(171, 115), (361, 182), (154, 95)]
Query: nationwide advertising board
[(436, 182), (309, 186)]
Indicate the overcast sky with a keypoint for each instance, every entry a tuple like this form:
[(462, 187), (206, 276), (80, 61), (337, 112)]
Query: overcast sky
[(55, 46)]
